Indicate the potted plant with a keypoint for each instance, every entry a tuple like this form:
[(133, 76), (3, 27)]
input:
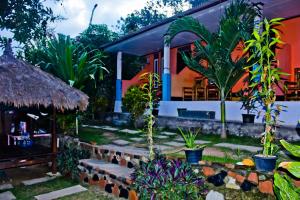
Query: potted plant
[(265, 76), (248, 104), (193, 152)]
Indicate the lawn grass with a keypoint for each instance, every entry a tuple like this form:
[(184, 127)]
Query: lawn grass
[(28, 192), (92, 135)]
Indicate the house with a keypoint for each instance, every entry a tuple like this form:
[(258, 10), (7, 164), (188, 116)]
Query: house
[(184, 88)]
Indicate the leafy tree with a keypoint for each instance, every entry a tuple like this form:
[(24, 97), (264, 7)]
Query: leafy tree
[(235, 26), (68, 61), (148, 15), (26, 19)]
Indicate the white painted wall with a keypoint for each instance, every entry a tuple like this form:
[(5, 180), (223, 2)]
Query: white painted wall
[(290, 116)]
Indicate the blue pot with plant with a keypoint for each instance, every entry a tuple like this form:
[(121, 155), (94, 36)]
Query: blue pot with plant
[(193, 152)]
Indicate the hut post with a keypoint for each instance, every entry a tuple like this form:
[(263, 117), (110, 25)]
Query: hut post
[(54, 143)]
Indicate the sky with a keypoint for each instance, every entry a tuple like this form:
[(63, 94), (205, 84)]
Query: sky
[(78, 12)]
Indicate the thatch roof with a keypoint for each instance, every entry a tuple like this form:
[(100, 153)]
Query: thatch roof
[(22, 84)]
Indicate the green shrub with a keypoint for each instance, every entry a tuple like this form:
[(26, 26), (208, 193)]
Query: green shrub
[(134, 102), (68, 158)]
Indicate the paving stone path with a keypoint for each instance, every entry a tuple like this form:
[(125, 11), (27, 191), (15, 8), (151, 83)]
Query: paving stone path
[(130, 131), (161, 136), (61, 193), (162, 147), (108, 128), (175, 144), (121, 142), (202, 142), (6, 186), (211, 151), (37, 180), (7, 196), (137, 139), (238, 146), (168, 133)]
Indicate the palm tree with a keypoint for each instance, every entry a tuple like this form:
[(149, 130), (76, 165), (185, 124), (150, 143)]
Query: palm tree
[(216, 48)]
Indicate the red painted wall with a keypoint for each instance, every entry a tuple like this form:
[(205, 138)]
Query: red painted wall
[(288, 58)]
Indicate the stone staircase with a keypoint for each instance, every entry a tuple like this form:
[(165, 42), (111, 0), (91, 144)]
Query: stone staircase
[(110, 167)]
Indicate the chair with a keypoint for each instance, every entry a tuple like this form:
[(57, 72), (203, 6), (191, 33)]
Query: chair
[(212, 92), (187, 94), (199, 89)]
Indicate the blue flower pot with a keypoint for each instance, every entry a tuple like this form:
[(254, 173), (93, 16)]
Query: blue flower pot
[(265, 164), (193, 156)]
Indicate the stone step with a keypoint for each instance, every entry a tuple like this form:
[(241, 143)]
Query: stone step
[(6, 186), (111, 177), (61, 193), (7, 196), (37, 180), (253, 149)]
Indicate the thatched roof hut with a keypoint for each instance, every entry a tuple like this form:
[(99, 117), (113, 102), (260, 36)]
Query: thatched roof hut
[(22, 84)]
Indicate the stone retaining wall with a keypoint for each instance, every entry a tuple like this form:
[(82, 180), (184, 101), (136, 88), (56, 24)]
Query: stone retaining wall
[(207, 126)]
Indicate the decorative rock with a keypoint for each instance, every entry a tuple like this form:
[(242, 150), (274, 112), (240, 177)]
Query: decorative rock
[(231, 184), (229, 166), (116, 191), (262, 177), (102, 183), (208, 171), (240, 178), (297, 183), (217, 179), (202, 162), (253, 178), (213, 195), (266, 187), (133, 195), (232, 174), (247, 186)]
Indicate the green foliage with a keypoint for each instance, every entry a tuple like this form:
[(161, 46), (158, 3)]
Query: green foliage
[(262, 48), (190, 138), (150, 97), (283, 186), (235, 26), (66, 123), (134, 102), (68, 158), (248, 101), (71, 63), (26, 19), (161, 178)]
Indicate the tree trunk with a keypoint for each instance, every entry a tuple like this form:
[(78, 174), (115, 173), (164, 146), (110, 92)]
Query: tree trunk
[(223, 115)]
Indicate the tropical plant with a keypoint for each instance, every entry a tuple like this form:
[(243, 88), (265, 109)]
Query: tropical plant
[(215, 49), (248, 101), (134, 102), (150, 97), (283, 185), (70, 62), (262, 48), (161, 178), (68, 158), (190, 138)]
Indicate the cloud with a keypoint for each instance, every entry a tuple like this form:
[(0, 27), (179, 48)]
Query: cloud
[(77, 13)]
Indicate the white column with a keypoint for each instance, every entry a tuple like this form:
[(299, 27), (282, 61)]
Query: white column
[(166, 75), (118, 101)]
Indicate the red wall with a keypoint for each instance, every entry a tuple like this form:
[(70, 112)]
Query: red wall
[(288, 58)]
